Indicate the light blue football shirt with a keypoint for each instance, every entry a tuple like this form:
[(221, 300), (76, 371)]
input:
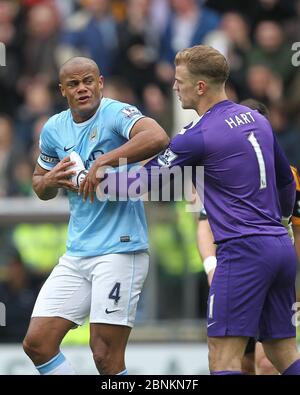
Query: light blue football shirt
[(104, 227)]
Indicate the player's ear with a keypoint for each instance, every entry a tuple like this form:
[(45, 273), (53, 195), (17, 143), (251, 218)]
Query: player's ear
[(101, 81), (62, 90), (201, 87)]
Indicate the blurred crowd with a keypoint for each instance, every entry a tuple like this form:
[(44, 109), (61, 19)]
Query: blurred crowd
[(134, 43)]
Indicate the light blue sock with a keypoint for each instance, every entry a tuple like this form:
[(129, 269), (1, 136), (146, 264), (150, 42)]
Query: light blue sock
[(57, 365), (123, 373)]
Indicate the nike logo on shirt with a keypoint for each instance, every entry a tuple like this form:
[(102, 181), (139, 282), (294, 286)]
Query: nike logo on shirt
[(68, 149)]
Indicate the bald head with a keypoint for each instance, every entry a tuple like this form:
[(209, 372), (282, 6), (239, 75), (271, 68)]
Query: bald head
[(82, 85), (78, 63)]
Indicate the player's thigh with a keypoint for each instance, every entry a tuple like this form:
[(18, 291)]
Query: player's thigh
[(238, 290), (116, 286), (65, 294), (276, 320)]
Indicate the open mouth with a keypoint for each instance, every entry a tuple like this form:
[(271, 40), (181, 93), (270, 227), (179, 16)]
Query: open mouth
[(84, 99)]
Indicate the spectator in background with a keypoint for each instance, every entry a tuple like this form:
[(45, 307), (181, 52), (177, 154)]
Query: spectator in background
[(10, 154), (157, 106), (272, 50), (287, 134), (37, 128), (119, 89), (233, 40), (188, 24), (291, 26), (9, 74), (273, 10), (292, 97), (263, 85), (18, 291), (22, 179), (91, 32), (160, 10), (38, 102), (256, 10), (42, 30), (138, 47)]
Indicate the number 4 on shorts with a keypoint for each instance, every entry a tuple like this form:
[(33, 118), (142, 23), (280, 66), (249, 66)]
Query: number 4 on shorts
[(115, 293)]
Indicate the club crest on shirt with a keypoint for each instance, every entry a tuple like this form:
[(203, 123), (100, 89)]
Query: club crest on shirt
[(130, 111), (166, 158), (93, 135)]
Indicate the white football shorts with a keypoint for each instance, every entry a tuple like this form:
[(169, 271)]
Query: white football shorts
[(106, 288)]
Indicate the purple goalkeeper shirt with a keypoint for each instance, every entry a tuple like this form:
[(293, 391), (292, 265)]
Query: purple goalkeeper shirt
[(243, 169)]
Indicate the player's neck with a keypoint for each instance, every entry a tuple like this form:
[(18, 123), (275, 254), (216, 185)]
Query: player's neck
[(80, 118), (210, 101)]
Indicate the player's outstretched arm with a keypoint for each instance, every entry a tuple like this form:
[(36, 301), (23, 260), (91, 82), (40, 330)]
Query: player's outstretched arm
[(147, 138), (46, 183)]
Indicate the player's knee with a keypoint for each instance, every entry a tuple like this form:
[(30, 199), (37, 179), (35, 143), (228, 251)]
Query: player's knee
[(30, 347), (107, 358), (34, 348), (103, 357)]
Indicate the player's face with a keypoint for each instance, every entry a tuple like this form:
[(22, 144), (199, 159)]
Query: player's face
[(82, 86), (185, 87)]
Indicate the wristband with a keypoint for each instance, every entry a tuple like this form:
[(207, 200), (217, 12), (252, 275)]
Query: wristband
[(210, 263)]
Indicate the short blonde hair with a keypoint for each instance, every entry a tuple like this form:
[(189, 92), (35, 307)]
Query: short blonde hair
[(204, 61)]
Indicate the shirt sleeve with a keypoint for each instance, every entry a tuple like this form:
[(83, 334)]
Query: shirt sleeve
[(185, 149), (125, 119), (48, 157)]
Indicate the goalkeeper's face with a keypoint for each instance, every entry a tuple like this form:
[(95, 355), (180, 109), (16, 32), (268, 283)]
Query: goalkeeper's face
[(185, 86), (82, 86)]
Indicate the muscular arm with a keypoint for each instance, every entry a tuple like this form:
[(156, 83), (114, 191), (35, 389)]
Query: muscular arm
[(46, 183), (40, 184), (147, 138)]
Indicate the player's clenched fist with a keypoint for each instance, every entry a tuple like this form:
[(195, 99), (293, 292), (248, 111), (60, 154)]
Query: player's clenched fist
[(91, 181)]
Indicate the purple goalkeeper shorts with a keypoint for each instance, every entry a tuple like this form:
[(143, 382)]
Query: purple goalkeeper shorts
[(253, 288)]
